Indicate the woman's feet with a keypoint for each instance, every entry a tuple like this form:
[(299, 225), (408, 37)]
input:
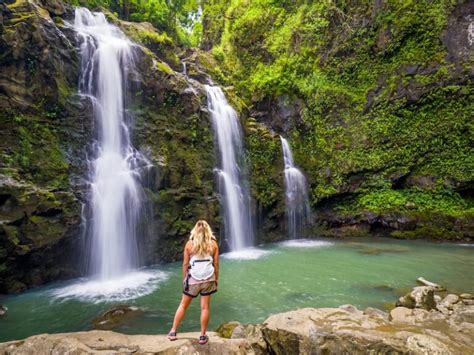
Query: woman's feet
[(172, 336), (203, 339)]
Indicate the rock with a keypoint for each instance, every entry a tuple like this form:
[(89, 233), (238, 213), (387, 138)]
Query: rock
[(3, 310), (463, 314), (400, 314), (403, 315), (457, 37), (422, 344), (115, 317), (108, 342), (254, 336), (343, 330), (375, 312), (350, 308), (225, 330), (419, 297), (466, 296), (424, 282), (449, 301), (334, 331)]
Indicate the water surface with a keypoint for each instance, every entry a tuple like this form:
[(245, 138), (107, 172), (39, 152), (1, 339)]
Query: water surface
[(271, 279)]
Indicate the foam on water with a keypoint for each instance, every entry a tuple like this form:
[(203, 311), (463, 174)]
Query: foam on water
[(129, 286), (305, 243), (246, 254)]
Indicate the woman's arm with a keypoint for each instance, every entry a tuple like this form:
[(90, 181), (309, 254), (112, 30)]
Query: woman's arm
[(186, 259), (216, 260)]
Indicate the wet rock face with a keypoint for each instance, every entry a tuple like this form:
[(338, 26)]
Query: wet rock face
[(281, 114), (44, 129), (459, 34), (47, 132)]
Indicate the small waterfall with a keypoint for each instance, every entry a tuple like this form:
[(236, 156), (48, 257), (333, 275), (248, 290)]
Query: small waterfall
[(298, 212), (116, 195), (185, 70), (232, 182)]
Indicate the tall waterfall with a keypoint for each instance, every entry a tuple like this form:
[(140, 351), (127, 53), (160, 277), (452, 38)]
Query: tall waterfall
[(298, 212), (232, 181), (116, 195)]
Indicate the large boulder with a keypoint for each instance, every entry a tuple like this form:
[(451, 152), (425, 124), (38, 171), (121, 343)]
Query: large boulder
[(348, 330)]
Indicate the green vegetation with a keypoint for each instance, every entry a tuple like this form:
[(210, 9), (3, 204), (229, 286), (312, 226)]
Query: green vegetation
[(35, 153), (383, 103), (178, 18)]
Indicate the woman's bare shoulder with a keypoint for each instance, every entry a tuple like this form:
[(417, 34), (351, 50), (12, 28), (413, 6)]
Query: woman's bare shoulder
[(189, 245)]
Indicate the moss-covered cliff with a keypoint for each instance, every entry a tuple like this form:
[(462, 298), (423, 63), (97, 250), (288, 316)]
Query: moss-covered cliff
[(376, 98), (47, 131)]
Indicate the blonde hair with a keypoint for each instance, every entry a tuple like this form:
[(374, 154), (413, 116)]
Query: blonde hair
[(201, 237)]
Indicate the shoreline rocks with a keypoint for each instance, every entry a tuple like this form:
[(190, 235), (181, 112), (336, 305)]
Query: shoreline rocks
[(446, 329)]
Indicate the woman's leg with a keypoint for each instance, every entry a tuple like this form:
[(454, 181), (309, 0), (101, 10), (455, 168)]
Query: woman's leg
[(205, 300), (180, 312)]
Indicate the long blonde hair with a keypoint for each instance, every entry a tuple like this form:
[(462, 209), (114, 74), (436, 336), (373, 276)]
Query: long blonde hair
[(201, 237)]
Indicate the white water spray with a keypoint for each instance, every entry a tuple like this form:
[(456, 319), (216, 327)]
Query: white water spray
[(116, 196), (232, 182), (298, 212)]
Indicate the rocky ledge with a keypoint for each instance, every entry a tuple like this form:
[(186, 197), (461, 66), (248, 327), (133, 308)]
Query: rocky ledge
[(432, 325)]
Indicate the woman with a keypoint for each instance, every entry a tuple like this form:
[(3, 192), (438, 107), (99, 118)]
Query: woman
[(200, 275)]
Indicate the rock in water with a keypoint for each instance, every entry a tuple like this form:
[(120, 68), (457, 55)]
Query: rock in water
[(3, 310), (419, 297), (423, 282), (115, 317)]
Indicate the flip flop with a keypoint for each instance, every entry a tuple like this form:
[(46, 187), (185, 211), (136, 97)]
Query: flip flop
[(203, 339), (172, 336)]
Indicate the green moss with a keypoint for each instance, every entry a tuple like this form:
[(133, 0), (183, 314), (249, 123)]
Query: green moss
[(432, 232), (377, 90), (34, 149), (164, 67), (265, 164)]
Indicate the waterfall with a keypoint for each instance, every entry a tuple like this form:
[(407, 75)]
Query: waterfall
[(233, 188), (116, 195), (298, 212)]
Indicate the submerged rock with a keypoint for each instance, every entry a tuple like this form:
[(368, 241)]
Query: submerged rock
[(116, 316)]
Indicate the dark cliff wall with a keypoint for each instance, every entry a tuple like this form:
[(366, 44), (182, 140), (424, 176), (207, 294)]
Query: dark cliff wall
[(47, 129)]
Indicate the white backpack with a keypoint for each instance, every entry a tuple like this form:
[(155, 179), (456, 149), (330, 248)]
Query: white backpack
[(201, 269)]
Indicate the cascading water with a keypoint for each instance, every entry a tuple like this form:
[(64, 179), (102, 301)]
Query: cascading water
[(232, 184), (298, 212), (116, 195)]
